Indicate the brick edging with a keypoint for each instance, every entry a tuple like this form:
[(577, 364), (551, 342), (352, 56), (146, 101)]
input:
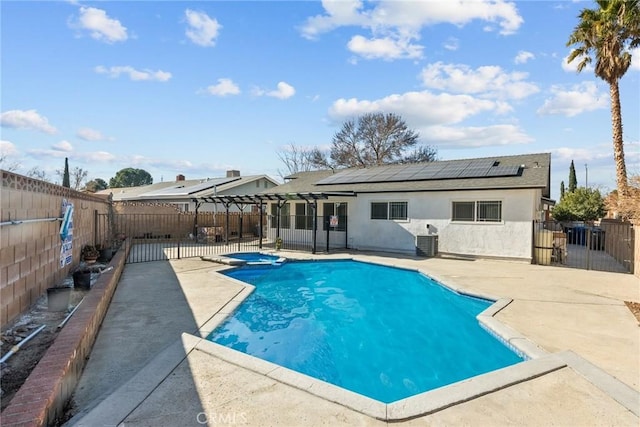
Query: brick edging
[(43, 396)]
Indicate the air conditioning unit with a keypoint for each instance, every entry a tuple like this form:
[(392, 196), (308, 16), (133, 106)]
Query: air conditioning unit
[(427, 246)]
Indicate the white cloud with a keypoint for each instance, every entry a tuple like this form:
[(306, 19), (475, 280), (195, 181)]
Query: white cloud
[(40, 153), (523, 57), (442, 108), (202, 29), (89, 134), (135, 75), (7, 148), (451, 43), (283, 91), (62, 146), (487, 81), (413, 15), (223, 88), (579, 99), (26, 119), (100, 26), (387, 48), (581, 155), (463, 137), (394, 25), (97, 156)]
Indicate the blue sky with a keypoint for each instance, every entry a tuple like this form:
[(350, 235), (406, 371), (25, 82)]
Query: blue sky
[(198, 88)]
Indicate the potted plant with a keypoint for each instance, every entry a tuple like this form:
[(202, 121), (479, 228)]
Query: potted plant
[(90, 254)]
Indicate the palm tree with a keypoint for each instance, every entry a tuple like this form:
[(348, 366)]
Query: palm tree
[(607, 34)]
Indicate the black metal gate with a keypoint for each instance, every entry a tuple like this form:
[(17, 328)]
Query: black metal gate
[(155, 237), (607, 246)]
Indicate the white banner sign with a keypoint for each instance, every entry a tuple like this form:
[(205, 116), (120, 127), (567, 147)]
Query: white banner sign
[(66, 234)]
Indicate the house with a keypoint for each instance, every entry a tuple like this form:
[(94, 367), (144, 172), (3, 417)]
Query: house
[(481, 207), (182, 192)]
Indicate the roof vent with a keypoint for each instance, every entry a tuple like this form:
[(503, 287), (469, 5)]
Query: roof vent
[(233, 173), (496, 163)]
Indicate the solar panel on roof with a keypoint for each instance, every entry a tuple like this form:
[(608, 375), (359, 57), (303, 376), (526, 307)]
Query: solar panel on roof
[(475, 168), (183, 190), (504, 171)]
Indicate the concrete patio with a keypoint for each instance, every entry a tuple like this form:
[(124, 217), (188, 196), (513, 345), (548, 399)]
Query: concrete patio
[(150, 365)]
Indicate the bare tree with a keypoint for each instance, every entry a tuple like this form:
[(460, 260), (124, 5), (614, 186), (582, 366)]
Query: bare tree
[(373, 139), (78, 176), (37, 173), (296, 159), (9, 166)]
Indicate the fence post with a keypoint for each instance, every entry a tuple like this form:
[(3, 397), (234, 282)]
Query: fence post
[(315, 225), (179, 237), (587, 239), (95, 226)]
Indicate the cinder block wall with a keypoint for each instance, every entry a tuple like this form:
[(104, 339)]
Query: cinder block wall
[(636, 251), (30, 251)]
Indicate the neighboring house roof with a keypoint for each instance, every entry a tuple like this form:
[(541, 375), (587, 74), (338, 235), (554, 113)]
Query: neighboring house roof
[(184, 189), (500, 172)]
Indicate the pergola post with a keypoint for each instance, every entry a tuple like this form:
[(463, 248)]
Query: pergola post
[(314, 209)]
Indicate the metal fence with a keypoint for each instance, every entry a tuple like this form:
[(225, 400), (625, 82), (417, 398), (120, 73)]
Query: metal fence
[(607, 246), (155, 237)]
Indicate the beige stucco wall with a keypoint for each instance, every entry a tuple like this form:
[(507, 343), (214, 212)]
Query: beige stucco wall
[(30, 251), (510, 238)]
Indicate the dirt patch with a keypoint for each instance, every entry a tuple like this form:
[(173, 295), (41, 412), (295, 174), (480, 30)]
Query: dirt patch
[(635, 309), (16, 369)]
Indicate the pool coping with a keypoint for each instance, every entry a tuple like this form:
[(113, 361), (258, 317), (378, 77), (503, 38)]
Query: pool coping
[(538, 362)]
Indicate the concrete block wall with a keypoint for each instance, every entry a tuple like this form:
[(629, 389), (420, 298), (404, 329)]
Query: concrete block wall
[(30, 251), (42, 398), (636, 250)]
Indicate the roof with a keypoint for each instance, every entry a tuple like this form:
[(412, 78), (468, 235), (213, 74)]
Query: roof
[(185, 189), (518, 171)]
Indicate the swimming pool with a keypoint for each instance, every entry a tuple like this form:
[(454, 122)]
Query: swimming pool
[(382, 332)]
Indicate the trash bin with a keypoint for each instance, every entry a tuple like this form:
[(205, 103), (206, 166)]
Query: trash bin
[(571, 236), (597, 239), (543, 247), (580, 235)]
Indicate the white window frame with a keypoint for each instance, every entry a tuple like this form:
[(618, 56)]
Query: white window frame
[(476, 208), (389, 216)]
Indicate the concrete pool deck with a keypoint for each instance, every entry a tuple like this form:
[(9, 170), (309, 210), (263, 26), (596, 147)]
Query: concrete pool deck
[(144, 370)]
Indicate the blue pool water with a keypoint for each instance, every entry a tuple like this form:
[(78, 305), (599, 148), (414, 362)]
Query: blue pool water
[(383, 332), (254, 257)]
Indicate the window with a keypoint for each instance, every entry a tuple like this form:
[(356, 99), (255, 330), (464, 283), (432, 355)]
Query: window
[(339, 209), (285, 220), (480, 211), (182, 207), (463, 211), (303, 221), (378, 210), (398, 210), (389, 210), (489, 211)]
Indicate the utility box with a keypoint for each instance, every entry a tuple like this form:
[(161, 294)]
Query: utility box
[(427, 245)]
